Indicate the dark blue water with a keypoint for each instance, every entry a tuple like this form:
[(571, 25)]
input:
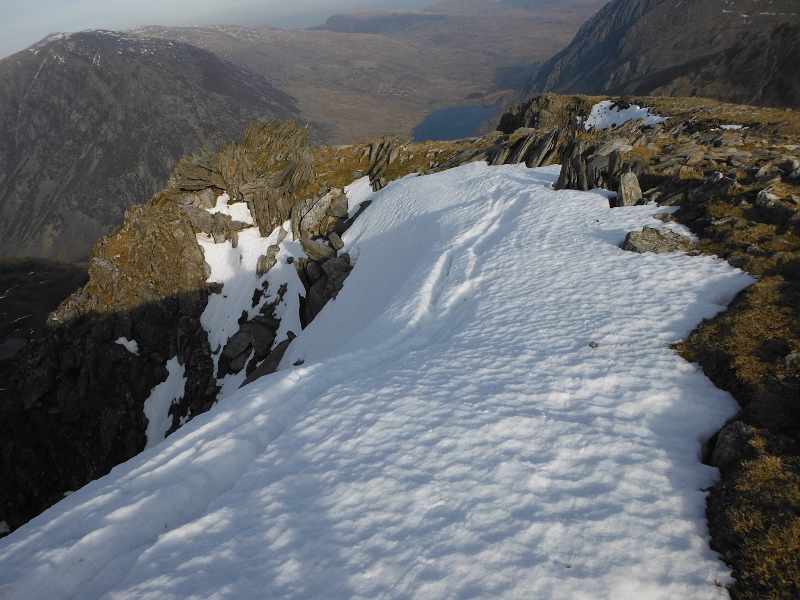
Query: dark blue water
[(453, 123)]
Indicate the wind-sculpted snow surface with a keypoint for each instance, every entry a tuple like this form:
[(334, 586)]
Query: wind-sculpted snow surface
[(451, 432)]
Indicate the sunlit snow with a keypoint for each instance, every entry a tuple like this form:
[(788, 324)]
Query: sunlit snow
[(235, 268), (237, 211), (606, 113), (451, 432)]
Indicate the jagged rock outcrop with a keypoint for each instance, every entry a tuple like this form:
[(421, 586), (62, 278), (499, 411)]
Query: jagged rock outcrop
[(733, 50), (94, 122), (266, 171), (545, 111), (587, 165)]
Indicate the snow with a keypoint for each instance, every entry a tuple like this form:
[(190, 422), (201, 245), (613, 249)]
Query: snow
[(235, 268), (237, 211), (356, 193), (156, 407), (605, 114), (451, 432), (733, 127), (130, 345)]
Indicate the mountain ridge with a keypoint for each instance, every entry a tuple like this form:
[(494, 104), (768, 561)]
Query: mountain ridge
[(681, 48), (93, 122)]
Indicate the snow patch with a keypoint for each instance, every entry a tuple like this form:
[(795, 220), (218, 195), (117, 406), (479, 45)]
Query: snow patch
[(606, 113), (356, 193), (156, 407), (237, 211), (130, 345)]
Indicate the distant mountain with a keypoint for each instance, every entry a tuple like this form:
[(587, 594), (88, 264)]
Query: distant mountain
[(92, 123), (380, 22), (743, 50), (557, 4), (381, 72)]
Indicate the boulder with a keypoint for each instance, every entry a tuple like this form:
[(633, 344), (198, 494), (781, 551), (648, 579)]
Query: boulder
[(268, 260), (317, 250), (732, 445), (314, 272), (657, 240), (628, 192), (317, 216), (335, 241)]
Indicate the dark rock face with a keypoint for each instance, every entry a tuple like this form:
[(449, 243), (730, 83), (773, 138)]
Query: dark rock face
[(75, 405), (32, 288), (94, 122), (731, 50)]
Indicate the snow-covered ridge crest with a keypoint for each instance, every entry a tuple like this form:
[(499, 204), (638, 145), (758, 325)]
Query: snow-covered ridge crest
[(451, 430)]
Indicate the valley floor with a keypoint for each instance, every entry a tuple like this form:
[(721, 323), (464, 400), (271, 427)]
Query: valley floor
[(490, 408)]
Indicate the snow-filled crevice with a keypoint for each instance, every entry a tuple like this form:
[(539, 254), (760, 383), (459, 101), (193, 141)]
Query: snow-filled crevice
[(162, 397), (245, 295)]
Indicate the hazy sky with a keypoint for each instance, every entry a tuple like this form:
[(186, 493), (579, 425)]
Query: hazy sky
[(24, 22)]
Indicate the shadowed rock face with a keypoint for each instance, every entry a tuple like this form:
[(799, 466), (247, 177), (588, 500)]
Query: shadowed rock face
[(732, 50), (93, 123)]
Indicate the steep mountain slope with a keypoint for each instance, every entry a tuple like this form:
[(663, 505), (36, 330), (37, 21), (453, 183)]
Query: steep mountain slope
[(205, 287), (760, 68), (30, 289), (381, 73), (703, 47), (92, 123)]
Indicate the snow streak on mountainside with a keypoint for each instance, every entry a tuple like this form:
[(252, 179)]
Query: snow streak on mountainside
[(450, 432)]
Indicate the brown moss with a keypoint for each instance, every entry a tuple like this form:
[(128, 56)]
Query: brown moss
[(757, 520)]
